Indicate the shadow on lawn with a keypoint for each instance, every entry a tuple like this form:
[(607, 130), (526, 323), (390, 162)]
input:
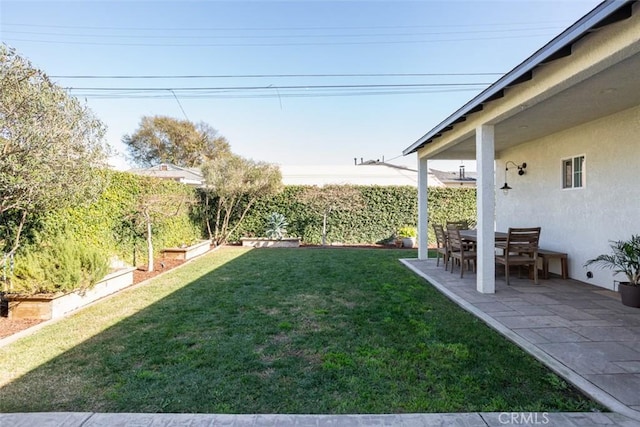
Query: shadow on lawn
[(284, 331), (198, 349)]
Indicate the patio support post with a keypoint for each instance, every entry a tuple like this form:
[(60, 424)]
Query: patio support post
[(485, 158), (423, 208)]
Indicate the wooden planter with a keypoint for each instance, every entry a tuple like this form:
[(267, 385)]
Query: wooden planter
[(52, 306), (263, 242), (187, 252)]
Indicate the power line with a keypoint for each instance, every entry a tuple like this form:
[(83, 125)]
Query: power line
[(359, 86), (227, 95), (225, 76), (316, 28), (336, 43), (285, 36), (179, 104)]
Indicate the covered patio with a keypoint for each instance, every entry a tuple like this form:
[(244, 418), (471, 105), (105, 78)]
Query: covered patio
[(580, 331), (560, 131)]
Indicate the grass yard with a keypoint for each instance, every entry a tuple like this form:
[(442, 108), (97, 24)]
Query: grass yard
[(279, 331)]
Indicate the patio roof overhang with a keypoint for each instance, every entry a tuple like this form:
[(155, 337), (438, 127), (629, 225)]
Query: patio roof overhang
[(589, 71)]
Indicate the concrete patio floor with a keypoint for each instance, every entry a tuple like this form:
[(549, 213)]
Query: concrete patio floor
[(580, 331)]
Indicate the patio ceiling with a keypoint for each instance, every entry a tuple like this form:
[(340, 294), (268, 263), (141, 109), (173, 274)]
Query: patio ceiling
[(610, 91)]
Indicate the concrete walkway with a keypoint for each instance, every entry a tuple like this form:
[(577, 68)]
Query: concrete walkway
[(87, 419), (580, 331)]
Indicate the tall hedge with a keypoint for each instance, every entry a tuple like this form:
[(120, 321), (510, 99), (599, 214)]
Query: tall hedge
[(387, 209), (106, 227), (107, 223)]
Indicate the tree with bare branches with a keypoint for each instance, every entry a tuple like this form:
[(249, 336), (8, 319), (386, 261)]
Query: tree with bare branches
[(330, 198), (233, 184)]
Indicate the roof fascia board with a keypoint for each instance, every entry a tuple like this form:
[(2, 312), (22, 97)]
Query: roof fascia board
[(594, 19)]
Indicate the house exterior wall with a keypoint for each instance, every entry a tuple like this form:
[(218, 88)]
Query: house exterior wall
[(580, 222)]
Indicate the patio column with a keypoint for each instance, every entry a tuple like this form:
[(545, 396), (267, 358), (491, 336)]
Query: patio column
[(423, 208), (485, 157)]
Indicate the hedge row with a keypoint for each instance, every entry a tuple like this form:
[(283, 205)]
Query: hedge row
[(111, 226), (114, 223), (385, 210)]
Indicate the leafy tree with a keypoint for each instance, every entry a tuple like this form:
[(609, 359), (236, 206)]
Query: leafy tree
[(50, 147), (234, 184), (324, 200), (156, 205), (161, 139)]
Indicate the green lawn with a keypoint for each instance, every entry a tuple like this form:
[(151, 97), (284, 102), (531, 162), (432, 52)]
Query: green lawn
[(279, 331)]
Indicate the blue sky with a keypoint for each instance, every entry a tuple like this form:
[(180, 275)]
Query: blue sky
[(451, 48)]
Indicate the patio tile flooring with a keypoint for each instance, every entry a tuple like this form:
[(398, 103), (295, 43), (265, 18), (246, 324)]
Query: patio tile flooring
[(580, 331)]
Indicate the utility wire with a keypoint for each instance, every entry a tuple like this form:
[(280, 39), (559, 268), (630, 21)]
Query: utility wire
[(378, 27), (179, 104), (336, 43), (285, 36), (225, 76), (361, 86)]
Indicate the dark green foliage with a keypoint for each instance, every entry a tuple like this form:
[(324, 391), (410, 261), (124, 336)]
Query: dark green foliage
[(386, 210), (112, 224), (108, 225), (60, 264)]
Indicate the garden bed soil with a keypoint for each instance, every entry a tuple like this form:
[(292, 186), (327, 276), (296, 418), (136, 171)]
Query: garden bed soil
[(11, 326)]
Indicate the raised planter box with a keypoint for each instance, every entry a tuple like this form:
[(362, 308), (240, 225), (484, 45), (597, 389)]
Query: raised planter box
[(187, 252), (45, 307), (262, 242)]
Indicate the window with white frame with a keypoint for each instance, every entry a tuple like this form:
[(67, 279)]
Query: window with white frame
[(573, 172)]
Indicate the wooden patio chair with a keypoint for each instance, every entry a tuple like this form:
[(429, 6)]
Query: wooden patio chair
[(459, 250), (442, 249), (521, 248), (460, 225)]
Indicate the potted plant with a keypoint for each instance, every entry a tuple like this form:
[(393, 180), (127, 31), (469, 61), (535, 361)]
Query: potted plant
[(408, 235), (624, 258)]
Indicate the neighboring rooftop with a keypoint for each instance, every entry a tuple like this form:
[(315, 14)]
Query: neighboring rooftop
[(453, 179), (361, 174), (189, 176)]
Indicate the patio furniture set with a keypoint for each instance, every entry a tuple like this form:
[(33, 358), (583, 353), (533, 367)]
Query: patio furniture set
[(516, 247)]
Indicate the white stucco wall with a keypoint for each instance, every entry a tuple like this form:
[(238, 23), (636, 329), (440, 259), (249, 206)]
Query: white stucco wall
[(577, 221)]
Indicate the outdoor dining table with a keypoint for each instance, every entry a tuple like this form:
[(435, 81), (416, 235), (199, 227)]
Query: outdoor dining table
[(472, 235)]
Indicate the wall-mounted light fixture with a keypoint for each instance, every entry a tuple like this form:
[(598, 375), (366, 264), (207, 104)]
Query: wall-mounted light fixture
[(505, 188)]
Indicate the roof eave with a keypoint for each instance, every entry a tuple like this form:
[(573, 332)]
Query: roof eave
[(557, 47)]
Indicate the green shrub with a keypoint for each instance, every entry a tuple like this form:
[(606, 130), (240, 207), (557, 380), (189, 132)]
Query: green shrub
[(64, 249), (407, 231), (276, 226), (59, 264), (111, 222), (387, 208)]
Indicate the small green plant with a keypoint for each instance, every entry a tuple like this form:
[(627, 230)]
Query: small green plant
[(407, 231), (624, 258), (276, 226), (61, 264)]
